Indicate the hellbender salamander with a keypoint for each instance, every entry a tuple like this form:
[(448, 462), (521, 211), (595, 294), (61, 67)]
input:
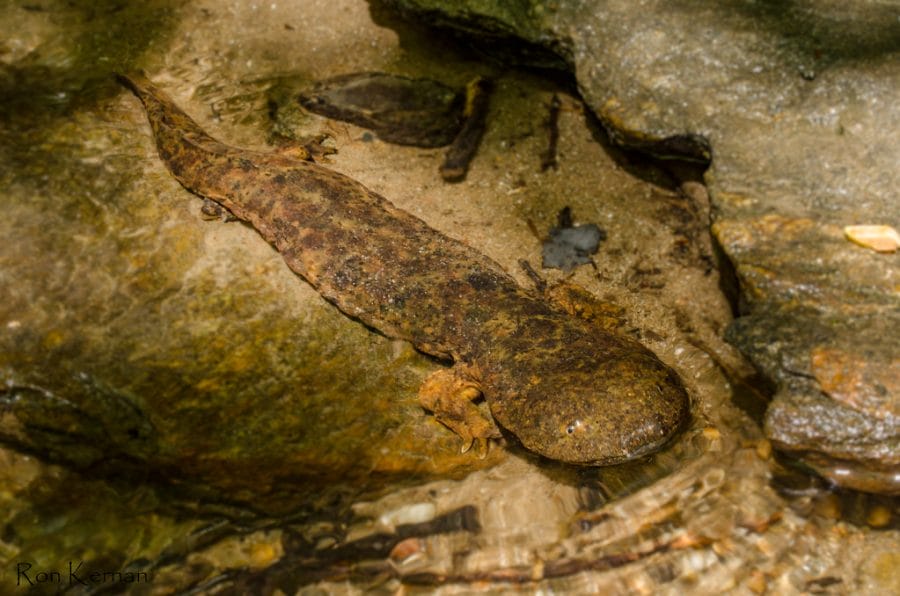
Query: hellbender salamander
[(564, 387)]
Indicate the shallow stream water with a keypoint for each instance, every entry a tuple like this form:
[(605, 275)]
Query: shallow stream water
[(184, 415)]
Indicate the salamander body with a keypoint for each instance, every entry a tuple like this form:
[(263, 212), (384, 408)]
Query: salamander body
[(565, 388)]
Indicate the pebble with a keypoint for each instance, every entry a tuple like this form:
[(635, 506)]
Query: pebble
[(879, 238), (406, 550), (829, 507), (711, 433), (757, 582), (879, 516), (414, 513), (765, 547), (262, 554)]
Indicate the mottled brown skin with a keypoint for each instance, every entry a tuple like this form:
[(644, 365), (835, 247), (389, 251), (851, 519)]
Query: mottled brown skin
[(563, 386)]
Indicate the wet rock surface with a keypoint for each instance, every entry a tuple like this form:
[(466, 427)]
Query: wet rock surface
[(797, 107), (174, 402)]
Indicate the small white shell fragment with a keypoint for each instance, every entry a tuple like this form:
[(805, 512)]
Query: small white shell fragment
[(878, 238)]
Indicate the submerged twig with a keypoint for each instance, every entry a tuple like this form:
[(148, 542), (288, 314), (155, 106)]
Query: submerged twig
[(548, 158), (464, 146)]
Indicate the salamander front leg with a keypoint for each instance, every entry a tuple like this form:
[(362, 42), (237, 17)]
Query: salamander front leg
[(577, 301), (449, 394)]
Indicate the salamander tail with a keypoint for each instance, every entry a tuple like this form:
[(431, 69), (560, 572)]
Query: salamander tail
[(161, 110)]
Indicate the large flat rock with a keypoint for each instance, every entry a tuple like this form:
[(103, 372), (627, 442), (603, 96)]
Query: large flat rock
[(797, 108)]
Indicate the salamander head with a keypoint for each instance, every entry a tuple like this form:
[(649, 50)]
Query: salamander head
[(597, 413)]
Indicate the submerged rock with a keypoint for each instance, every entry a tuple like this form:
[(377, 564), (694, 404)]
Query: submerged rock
[(570, 245), (798, 108), (833, 396), (401, 110)]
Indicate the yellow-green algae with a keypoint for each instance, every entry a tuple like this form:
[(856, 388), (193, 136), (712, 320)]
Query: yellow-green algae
[(126, 344)]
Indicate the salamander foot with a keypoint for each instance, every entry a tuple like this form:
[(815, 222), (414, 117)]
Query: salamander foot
[(449, 394)]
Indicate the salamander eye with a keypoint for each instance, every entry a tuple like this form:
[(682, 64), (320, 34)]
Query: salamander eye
[(573, 427)]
